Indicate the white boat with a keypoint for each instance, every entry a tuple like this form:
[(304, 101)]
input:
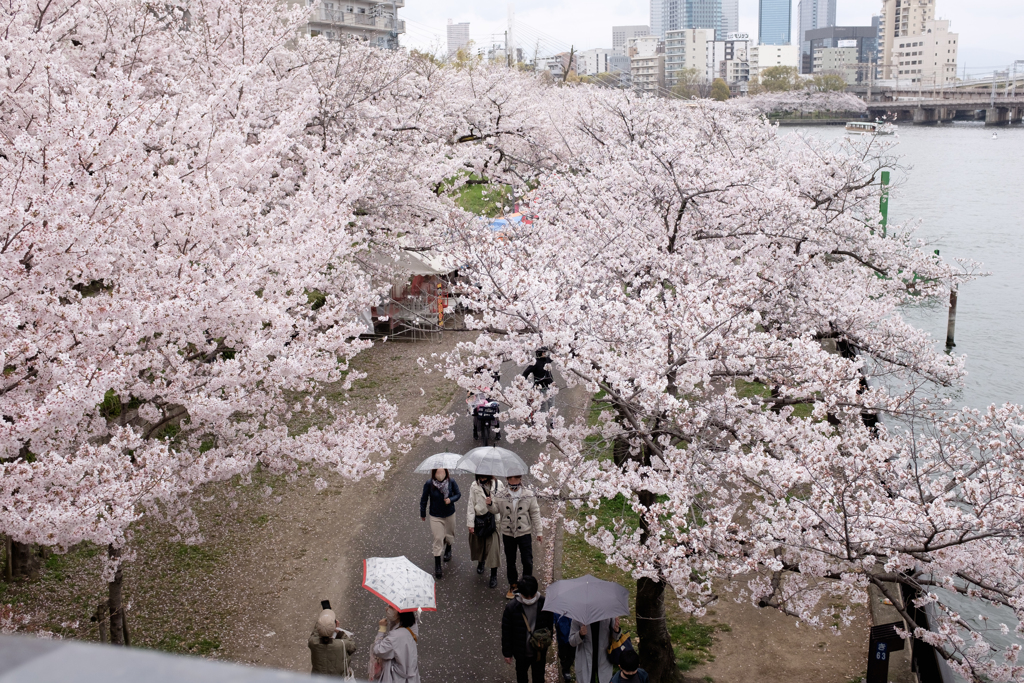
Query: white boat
[(870, 128)]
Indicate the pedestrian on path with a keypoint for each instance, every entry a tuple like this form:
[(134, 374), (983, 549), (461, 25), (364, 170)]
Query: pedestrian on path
[(520, 518), (483, 517), (396, 647), (592, 642), (540, 371), (330, 646), (566, 652), (526, 632), (442, 491), (629, 669)]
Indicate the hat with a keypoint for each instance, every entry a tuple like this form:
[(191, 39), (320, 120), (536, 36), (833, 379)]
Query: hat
[(326, 624)]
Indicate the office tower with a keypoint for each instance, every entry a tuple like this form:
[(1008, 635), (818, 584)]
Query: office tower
[(622, 34), (813, 14), (730, 18), (675, 15), (775, 22), (703, 14), (458, 37)]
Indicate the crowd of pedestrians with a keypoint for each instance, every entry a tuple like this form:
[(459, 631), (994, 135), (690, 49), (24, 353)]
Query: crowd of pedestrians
[(499, 516)]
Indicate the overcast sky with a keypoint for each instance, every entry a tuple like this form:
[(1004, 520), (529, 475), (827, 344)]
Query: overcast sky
[(991, 31)]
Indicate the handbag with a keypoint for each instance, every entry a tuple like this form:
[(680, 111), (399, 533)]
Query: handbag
[(484, 525), (617, 647), (540, 639)]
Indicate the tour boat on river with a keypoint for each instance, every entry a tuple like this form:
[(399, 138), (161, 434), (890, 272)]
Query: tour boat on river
[(870, 128)]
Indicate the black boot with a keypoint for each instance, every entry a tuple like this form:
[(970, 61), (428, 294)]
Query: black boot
[(480, 567), (493, 583), (447, 553), (438, 572)]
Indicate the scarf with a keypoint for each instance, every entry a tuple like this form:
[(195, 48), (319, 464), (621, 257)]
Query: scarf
[(442, 486)]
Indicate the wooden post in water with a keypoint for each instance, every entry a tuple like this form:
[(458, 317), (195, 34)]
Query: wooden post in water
[(951, 327), (883, 203)]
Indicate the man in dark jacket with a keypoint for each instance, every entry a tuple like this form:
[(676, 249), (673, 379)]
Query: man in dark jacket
[(524, 616), (542, 378), (566, 652)]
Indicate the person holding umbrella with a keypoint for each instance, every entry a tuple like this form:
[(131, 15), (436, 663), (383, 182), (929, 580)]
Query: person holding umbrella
[(594, 607), (396, 647), (406, 589), (442, 491), (520, 518), (483, 518)]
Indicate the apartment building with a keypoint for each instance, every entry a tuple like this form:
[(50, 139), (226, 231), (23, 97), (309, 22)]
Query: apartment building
[(371, 22), (900, 20), (647, 64), (686, 49), (601, 61), (928, 58), (766, 56), (729, 59), (840, 61)]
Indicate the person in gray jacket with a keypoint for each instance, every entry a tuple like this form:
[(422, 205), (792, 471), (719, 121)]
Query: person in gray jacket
[(592, 664), (520, 518)]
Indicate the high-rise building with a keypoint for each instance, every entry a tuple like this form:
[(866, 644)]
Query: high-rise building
[(901, 19), (775, 22), (622, 34), (813, 14), (927, 58), (370, 21), (458, 37), (673, 15)]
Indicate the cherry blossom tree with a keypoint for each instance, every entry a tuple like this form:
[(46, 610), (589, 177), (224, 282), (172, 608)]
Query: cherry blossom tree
[(804, 102), (724, 294), (191, 199)]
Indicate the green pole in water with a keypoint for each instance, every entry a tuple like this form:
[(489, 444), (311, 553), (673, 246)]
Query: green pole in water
[(883, 203)]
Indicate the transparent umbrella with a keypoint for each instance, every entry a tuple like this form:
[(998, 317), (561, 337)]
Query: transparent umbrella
[(494, 461), (448, 461), (400, 583)]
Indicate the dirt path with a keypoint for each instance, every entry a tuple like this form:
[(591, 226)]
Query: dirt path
[(459, 642)]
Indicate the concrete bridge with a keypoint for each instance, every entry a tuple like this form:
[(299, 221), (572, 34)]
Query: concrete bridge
[(946, 104)]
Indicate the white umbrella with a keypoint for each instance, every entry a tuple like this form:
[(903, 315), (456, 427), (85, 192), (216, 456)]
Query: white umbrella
[(400, 583), (448, 461), (494, 461)]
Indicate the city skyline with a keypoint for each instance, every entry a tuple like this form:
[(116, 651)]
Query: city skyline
[(990, 30)]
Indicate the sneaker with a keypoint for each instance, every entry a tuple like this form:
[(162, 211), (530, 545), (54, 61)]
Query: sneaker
[(511, 593)]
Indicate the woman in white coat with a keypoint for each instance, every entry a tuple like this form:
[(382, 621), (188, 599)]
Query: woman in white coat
[(583, 637), (395, 645), (486, 552)]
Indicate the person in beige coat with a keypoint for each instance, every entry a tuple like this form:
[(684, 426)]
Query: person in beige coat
[(482, 501), (330, 646), (520, 519)]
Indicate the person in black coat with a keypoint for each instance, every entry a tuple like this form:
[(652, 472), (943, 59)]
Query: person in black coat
[(442, 492), (540, 371), (524, 615)]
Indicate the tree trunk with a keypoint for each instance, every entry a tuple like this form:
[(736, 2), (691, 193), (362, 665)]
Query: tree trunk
[(26, 560), (657, 656), (116, 606), (101, 617), (8, 560)]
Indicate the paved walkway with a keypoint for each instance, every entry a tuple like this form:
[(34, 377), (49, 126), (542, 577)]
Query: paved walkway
[(461, 641)]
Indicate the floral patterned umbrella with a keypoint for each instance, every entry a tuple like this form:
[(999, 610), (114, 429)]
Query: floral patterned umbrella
[(400, 583)]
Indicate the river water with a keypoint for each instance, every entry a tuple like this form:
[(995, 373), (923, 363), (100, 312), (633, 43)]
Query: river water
[(965, 192)]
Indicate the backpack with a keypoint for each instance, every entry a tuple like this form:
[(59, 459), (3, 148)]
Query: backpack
[(617, 647)]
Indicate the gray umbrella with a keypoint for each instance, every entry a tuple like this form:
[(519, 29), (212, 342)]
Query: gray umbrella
[(497, 462), (587, 599)]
